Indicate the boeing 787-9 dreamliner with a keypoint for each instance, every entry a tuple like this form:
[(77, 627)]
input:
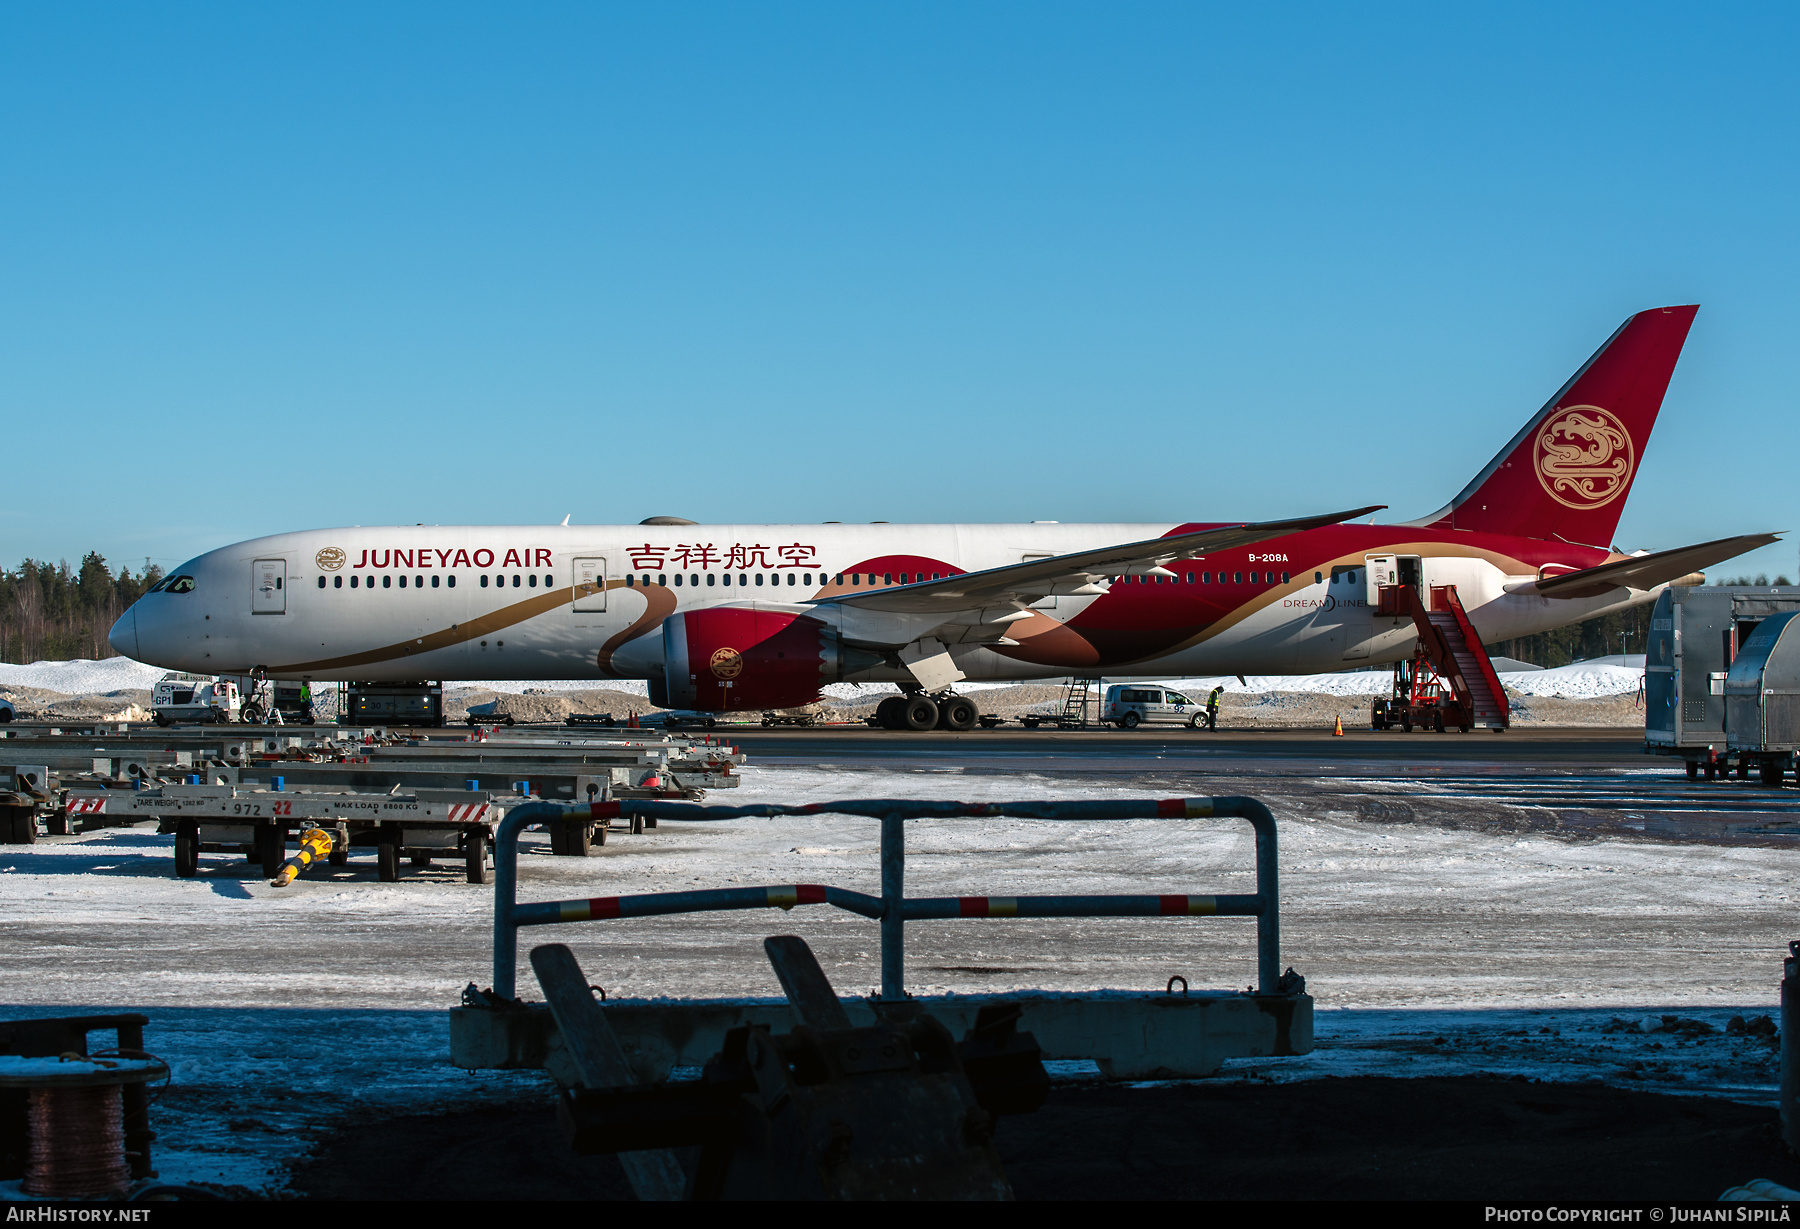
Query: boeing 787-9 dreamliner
[(726, 618)]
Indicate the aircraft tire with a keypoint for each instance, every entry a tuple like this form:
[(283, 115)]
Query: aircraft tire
[(387, 863), (958, 713), (919, 713), (475, 857), (887, 713), (1130, 721), (187, 854)]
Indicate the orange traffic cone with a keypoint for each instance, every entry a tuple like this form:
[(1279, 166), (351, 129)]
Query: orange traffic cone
[(1338, 726)]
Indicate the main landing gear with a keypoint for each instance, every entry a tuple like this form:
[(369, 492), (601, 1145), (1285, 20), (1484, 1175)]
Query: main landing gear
[(918, 711)]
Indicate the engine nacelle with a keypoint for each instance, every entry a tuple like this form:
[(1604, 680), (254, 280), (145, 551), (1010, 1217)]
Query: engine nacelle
[(749, 657)]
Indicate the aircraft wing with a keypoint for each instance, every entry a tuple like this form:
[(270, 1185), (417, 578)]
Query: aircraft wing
[(1079, 572), (1645, 571)]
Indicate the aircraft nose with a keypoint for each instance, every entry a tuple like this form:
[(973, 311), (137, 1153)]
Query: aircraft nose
[(123, 637)]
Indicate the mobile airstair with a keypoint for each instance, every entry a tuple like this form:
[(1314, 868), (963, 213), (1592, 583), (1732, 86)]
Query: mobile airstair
[(1450, 681)]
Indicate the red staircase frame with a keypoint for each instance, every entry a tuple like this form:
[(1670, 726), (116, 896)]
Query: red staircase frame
[(1436, 657)]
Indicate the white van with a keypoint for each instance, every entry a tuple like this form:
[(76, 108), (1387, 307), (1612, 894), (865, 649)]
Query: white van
[(1129, 705), (193, 697)]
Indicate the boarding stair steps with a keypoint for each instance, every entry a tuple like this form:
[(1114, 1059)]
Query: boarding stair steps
[(1075, 704), (1453, 647)]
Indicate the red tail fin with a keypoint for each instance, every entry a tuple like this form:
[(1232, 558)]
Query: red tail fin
[(1566, 475)]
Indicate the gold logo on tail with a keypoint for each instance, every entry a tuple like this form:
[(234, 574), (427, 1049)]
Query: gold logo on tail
[(1584, 457)]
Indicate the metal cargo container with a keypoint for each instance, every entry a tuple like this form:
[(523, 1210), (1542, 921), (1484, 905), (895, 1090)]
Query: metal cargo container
[(1762, 697), (1695, 635)]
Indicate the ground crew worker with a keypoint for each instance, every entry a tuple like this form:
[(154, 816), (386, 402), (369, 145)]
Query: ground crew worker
[(1212, 707)]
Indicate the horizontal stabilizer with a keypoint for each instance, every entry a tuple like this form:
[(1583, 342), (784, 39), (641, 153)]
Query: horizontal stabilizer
[(1024, 583), (1645, 571)]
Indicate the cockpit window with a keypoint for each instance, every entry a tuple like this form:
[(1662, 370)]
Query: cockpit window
[(179, 584)]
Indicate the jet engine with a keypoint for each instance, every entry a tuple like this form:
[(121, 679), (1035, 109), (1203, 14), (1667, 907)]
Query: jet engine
[(750, 657)]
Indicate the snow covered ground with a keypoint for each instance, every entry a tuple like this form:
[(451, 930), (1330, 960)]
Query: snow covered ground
[(1429, 951), (1584, 680)]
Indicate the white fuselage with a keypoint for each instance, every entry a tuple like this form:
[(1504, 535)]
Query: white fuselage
[(478, 602)]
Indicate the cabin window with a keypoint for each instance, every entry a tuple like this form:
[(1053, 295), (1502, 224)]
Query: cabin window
[(1284, 578), (630, 581), (337, 582), (759, 578), (403, 582), (1318, 578), (484, 580), (1190, 578), (516, 580), (534, 580), (887, 578), (662, 578), (434, 582), (418, 582), (321, 582), (1237, 578), (711, 579), (353, 582), (387, 582), (453, 580)]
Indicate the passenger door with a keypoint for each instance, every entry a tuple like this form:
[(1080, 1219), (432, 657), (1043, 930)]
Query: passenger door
[(590, 585), (268, 587)]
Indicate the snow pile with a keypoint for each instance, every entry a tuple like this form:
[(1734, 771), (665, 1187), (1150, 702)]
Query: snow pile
[(1585, 680), (1581, 681), (81, 676)]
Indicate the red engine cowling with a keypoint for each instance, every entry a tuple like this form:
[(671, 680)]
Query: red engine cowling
[(737, 658)]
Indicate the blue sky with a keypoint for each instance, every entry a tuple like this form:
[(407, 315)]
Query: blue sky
[(270, 268)]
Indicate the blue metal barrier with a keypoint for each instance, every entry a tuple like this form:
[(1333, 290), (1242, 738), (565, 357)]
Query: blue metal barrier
[(892, 908)]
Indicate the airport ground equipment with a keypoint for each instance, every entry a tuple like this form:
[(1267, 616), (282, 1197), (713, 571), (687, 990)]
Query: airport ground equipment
[(1762, 699), (1696, 633), (1079, 695), (826, 1110), (1128, 1035), (194, 697), (1449, 681), (418, 705), (255, 823), (315, 843), (59, 1035)]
